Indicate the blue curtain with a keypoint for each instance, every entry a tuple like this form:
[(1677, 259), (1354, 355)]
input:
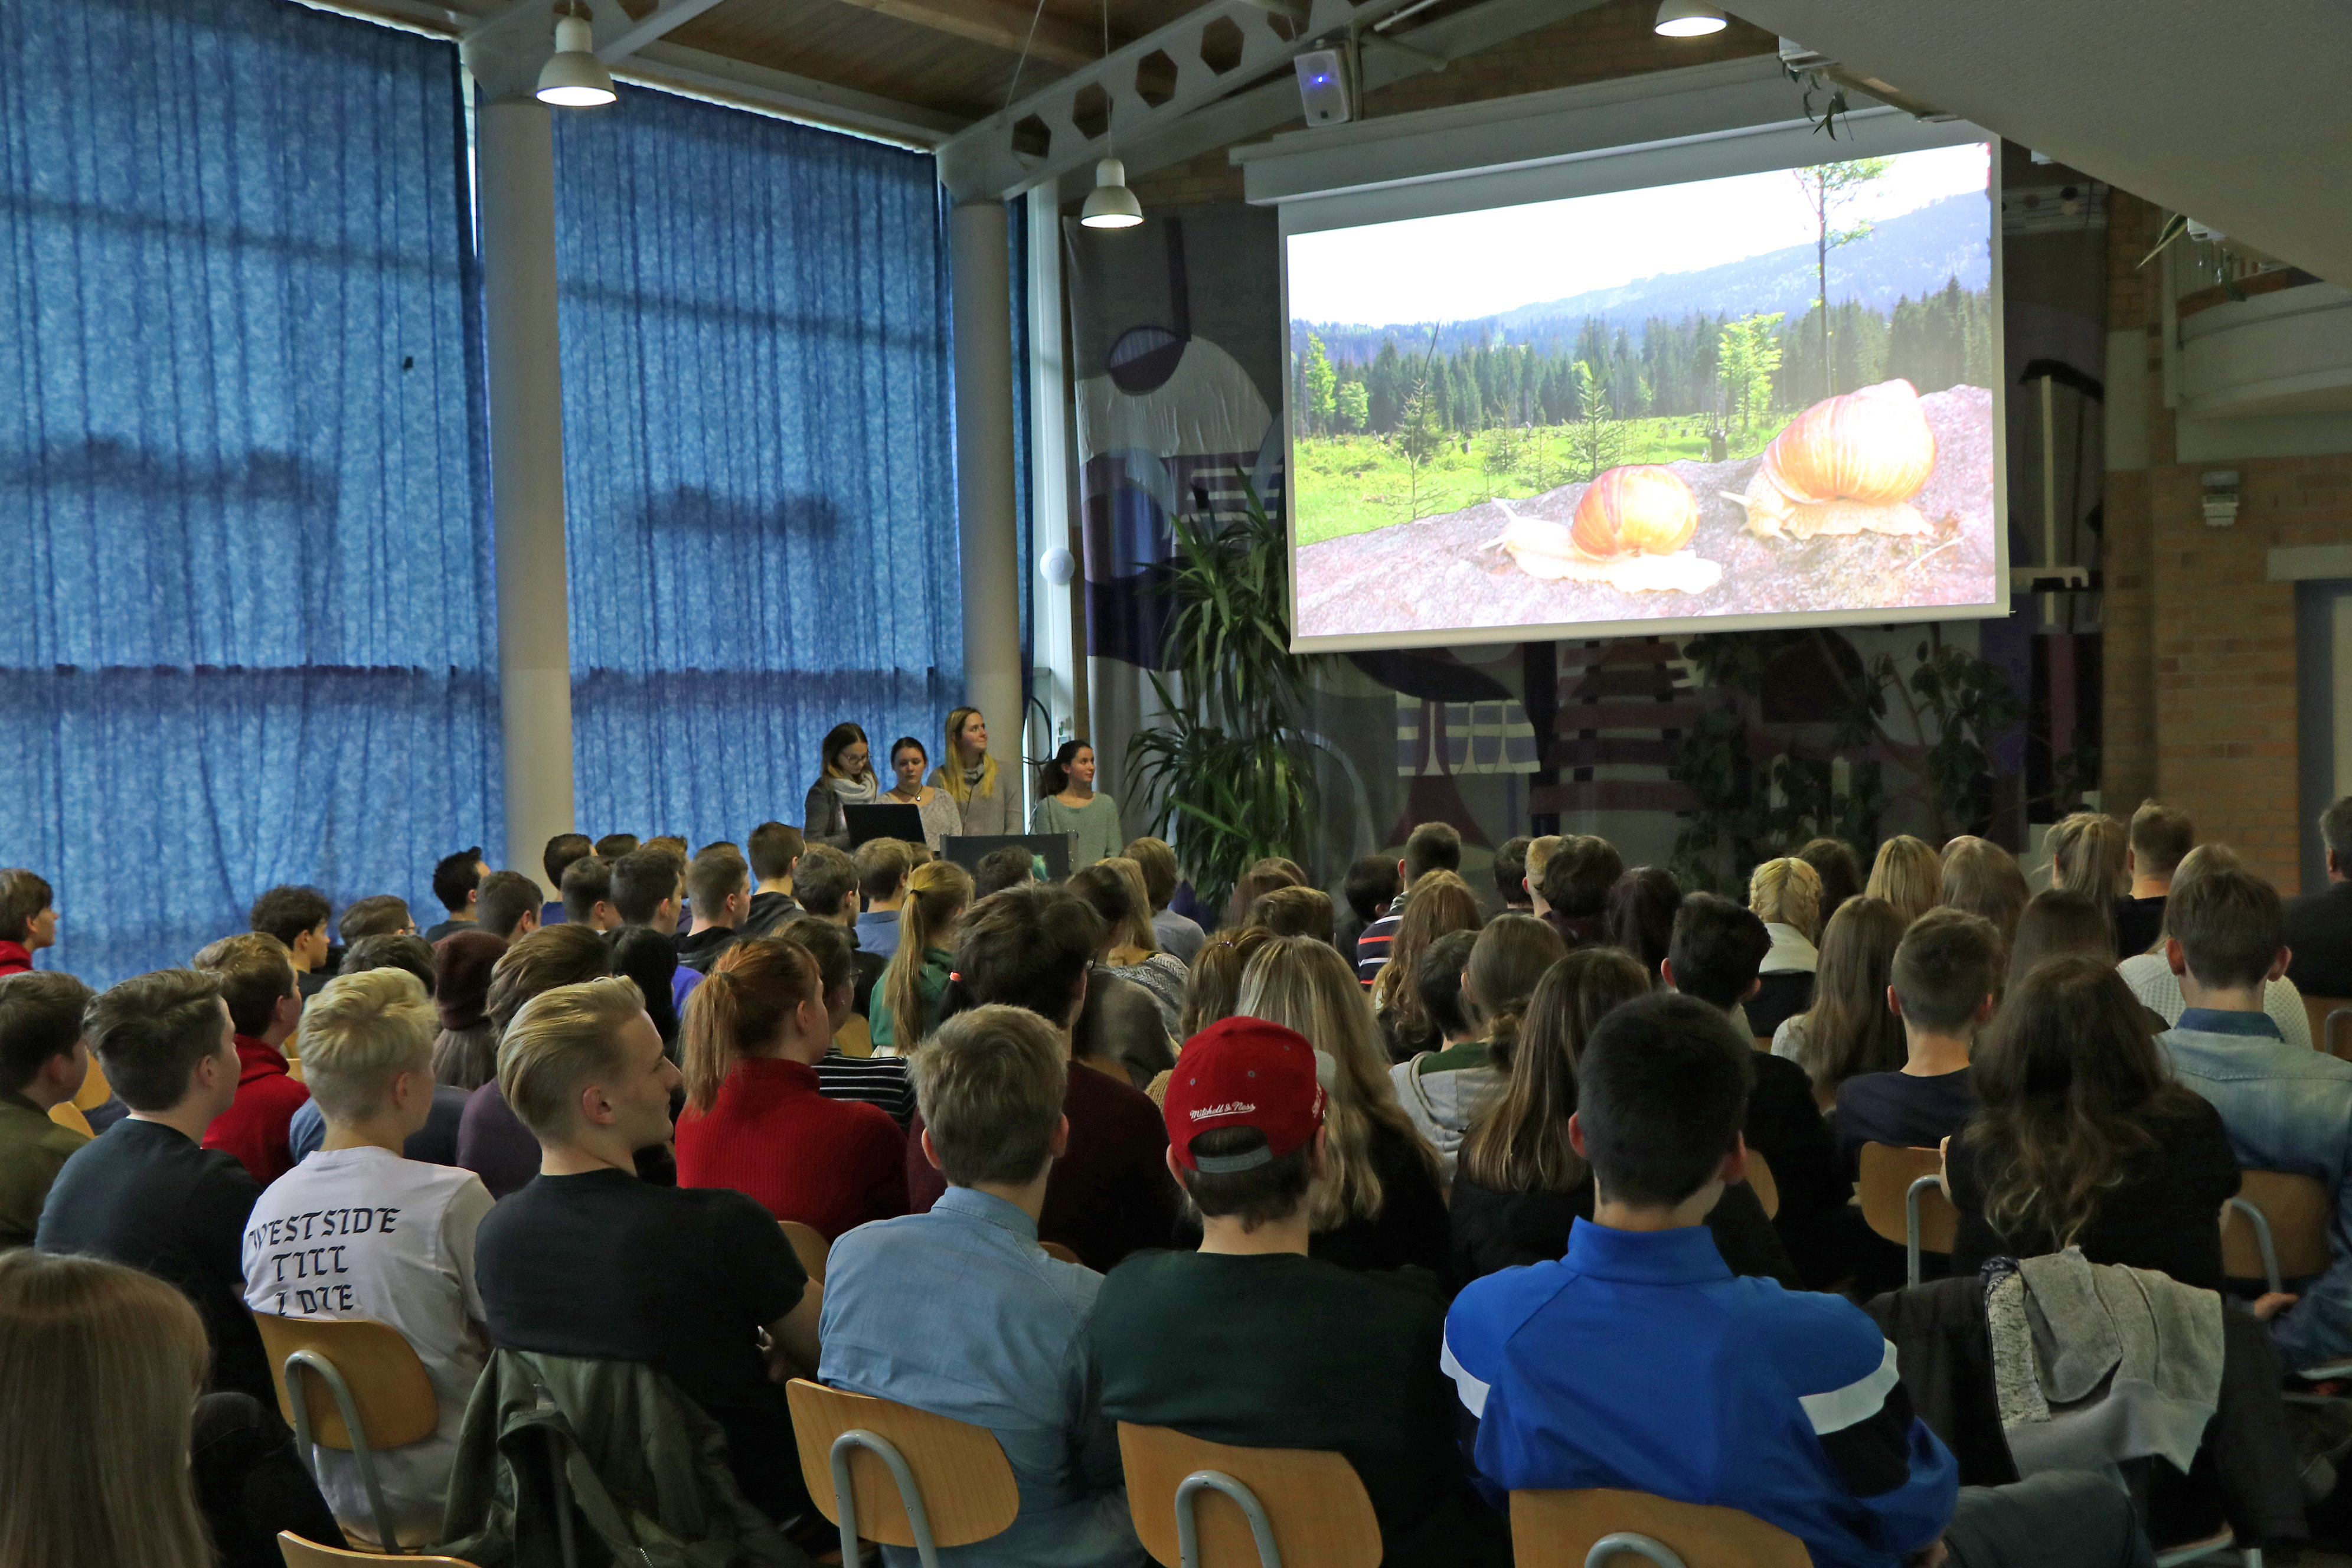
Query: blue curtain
[(246, 628), (759, 458)]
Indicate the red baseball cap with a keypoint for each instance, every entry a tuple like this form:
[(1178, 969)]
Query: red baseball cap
[(1244, 1072)]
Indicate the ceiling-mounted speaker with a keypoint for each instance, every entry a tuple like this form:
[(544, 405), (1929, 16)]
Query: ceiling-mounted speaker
[(1324, 89)]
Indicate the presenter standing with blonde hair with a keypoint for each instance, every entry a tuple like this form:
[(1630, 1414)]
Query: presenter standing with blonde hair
[(987, 798)]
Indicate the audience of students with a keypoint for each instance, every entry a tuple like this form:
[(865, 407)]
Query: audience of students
[(1438, 903), (987, 802), (296, 918), (718, 889), (1640, 1362), (1296, 911), (1943, 983), (465, 1048), (2286, 1106), (1851, 1028), (2156, 981), (43, 1061), (915, 985), (773, 851), (1540, 849), (1521, 1185), (257, 983), (492, 1141), (826, 882), (1640, 918), (434, 1143), (1112, 887), (650, 957), (1371, 885), (1444, 1090), (846, 778), (28, 919), (1001, 869), (1178, 934), (1833, 861), (456, 884), (587, 1260), (1260, 877), (1908, 875), (146, 1192), (755, 1119), (866, 1079), (1431, 846), (1980, 878), (555, 859), (2161, 838), (1253, 1340), (2084, 1139), (2087, 855), (1577, 880), (1068, 804), (2319, 925), (1786, 895), (1016, 1355), (883, 867), (1510, 872), (1214, 987), (381, 914), (613, 846), (507, 906), (359, 1230)]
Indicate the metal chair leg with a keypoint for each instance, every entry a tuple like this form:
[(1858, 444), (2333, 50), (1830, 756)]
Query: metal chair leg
[(1911, 1226), (845, 1499), (318, 1366), (1188, 1525), (1626, 1540), (2262, 1243)]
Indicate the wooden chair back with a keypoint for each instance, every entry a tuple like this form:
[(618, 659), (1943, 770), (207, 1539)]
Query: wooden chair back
[(94, 1092), (1321, 1515), (1760, 1181), (1558, 1530), (66, 1113), (301, 1554), (964, 1481), (1062, 1251), (388, 1384), (1888, 1174), (2298, 1209), (808, 1245), (2317, 1011), (855, 1038)]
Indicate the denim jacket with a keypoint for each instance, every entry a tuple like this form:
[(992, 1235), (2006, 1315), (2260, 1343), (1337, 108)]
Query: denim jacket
[(2287, 1108)]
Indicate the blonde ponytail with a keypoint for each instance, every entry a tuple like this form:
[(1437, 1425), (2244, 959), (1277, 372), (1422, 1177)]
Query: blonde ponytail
[(749, 996), (937, 892)]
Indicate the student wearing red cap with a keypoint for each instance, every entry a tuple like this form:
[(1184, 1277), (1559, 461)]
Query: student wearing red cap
[(1251, 1342)]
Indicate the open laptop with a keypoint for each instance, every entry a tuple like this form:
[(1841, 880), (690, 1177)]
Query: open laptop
[(904, 823)]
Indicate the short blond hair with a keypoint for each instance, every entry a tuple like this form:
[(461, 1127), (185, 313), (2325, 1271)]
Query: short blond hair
[(1788, 891), (1540, 854), (990, 1086), (561, 1042), (359, 1032)]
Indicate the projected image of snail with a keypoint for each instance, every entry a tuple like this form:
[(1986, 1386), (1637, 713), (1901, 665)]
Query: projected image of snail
[(1631, 531), (1847, 465)]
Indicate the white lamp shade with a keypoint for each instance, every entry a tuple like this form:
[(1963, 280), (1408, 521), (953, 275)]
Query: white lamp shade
[(1110, 204), (1688, 19), (573, 77)]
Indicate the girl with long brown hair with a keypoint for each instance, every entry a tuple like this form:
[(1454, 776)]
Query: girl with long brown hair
[(2087, 857), (1980, 878), (1849, 1030), (754, 1119), (916, 984), (1381, 1204), (1115, 888), (1521, 1184), (1439, 902), (1442, 1090), (2084, 1139)]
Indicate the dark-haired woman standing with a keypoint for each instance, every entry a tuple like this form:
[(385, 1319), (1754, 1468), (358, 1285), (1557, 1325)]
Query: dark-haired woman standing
[(846, 780), (1072, 805)]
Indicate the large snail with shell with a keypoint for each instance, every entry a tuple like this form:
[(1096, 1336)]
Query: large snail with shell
[(1630, 531), (1848, 463)]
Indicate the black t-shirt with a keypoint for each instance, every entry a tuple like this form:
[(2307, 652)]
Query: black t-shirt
[(1785, 1126), (1283, 1351), (1411, 1227), (2319, 934), (2165, 1214), (604, 1266), (1779, 996), (1496, 1230), (1907, 1111), (2137, 921), (146, 1196)]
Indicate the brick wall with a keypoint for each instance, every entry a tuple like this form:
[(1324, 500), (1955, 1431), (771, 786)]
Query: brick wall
[(1612, 41), (2199, 647)]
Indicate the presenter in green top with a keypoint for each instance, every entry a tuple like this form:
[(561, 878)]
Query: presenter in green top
[(1071, 805)]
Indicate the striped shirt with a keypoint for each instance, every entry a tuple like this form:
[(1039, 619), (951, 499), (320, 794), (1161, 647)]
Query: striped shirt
[(868, 1081), (1372, 947)]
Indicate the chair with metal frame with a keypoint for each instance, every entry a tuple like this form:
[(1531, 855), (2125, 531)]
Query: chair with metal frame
[(1062, 1251), (900, 1475), (1198, 1504), (301, 1554), (363, 1390), (808, 1245), (1903, 1200), (1761, 1183), (2283, 1237), (1596, 1527)]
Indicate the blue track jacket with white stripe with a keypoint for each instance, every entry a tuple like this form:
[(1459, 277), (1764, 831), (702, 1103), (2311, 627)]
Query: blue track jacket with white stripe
[(1640, 1361)]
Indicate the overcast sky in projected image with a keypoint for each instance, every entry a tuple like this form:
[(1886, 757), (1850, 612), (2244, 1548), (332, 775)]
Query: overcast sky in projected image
[(1462, 266)]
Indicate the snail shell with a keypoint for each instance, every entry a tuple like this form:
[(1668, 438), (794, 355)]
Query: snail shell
[(1872, 447), (1639, 509)]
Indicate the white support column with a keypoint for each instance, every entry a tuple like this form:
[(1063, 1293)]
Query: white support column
[(1054, 678), (515, 160), (987, 535)]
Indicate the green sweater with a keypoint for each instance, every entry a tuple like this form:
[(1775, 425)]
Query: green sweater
[(32, 1150), (1093, 828), (930, 984)]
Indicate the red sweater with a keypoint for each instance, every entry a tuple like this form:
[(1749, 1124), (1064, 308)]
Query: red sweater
[(830, 1163), (14, 959), (255, 1128)]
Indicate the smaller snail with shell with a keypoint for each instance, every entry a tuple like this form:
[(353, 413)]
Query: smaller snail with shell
[(1630, 531), (1847, 465)]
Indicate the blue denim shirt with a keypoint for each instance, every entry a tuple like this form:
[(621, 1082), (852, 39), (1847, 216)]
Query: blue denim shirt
[(2286, 1108), (960, 1312)]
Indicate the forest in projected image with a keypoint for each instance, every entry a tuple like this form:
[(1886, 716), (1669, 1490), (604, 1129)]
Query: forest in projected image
[(1767, 393)]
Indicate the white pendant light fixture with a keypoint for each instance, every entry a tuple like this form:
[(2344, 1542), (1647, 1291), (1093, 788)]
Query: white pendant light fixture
[(1110, 204), (1688, 19), (573, 77)]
